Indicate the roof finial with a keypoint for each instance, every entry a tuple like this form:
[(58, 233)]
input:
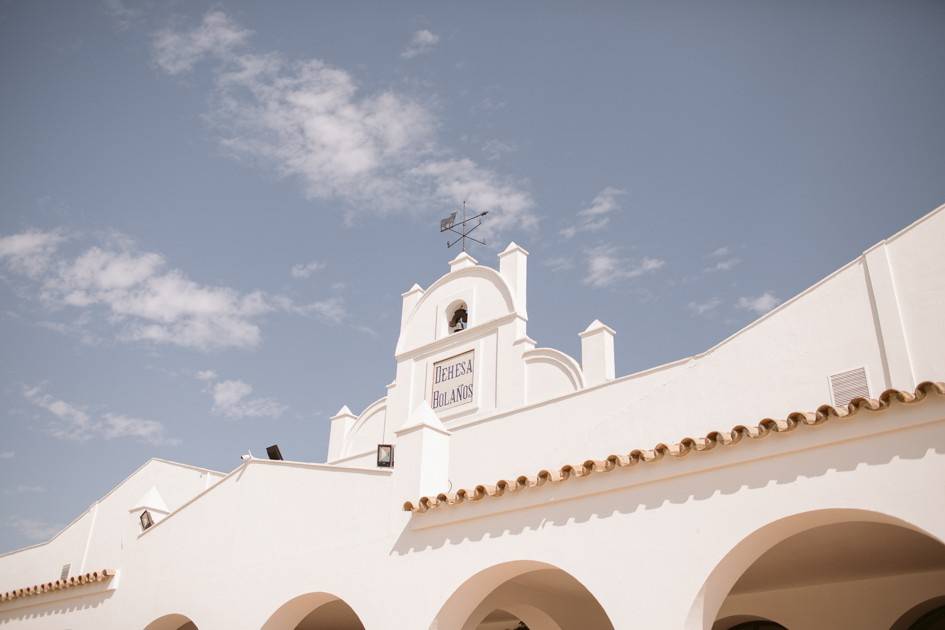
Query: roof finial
[(449, 225)]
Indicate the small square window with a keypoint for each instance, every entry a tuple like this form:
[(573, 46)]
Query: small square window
[(385, 455), (146, 520)]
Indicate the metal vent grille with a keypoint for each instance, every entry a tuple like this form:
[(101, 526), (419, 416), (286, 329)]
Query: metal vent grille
[(848, 385), (65, 571)]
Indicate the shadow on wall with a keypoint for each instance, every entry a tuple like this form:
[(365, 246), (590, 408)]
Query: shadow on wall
[(62, 607), (737, 478)]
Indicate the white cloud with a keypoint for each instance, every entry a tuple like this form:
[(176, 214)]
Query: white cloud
[(494, 149), (34, 530), (176, 52), (560, 263), (206, 375), (421, 42), (30, 252), (24, 489), (7, 454), (332, 309), (305, 270), (597, 215), (704, 308), (115, 425), (723, 265), (309, 120), (121, 13), (721, 260), (232, 399), (760, 304), (605, 266), (72, 423), (143, 298)]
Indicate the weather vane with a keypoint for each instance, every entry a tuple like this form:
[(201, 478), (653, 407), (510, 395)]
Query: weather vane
[(449, 224)]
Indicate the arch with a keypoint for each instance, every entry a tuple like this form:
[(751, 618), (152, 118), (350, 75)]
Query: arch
[(744, 554), (510, 586), (486, 273), (377, 410), (747, 622), (456, 320), (305, 608), (920, 614), (174, 621), (564, 375)]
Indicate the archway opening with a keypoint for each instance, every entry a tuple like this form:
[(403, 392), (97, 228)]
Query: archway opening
[(853, 574), (172, 622), (314, 611), (523, 596), (335, 615), (928, 615)]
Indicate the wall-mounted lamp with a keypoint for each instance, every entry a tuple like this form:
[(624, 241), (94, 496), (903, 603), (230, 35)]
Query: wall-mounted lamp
[(273, 452), (385, 455), (146, 520)]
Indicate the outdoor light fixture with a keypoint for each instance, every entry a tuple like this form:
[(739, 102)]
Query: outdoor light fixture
[(385, 455), (273, 452), (146, 520)]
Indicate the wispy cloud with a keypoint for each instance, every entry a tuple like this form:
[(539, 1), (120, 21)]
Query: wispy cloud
[(605, 266), (122, 14), (206, 375), (494, 149), (422, 41), (596, 216), (706, 307), (34, 530), (143, 297), (310, 120), (305, 270), (559, 263), (7, 454), (332, 309), (176, 52), (760, 304), (24, 489), (70, 422), (233, 399), (30, 252), (721, 260)]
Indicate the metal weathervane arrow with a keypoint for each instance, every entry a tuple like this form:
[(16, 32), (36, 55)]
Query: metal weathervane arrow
[(463, 229)]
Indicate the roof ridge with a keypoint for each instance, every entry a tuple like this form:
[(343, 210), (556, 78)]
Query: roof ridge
[(683, 447)]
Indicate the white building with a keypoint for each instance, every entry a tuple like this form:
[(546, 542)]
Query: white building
[(738, 485)]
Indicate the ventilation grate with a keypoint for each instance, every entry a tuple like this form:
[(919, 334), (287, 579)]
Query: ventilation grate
[(65, 572), (848, 385)]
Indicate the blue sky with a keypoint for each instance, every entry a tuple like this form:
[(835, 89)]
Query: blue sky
[(208, 212)]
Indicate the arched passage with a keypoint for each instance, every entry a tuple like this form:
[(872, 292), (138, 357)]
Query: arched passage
[(927, 615), (314, 611), (535, 595), (172, 622), (823, 569)]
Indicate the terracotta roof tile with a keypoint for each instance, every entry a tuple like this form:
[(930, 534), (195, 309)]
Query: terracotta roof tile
[(77, 580), (683, 447)]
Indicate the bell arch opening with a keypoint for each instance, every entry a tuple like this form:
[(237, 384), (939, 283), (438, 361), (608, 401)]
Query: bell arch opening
[(522, 596), (825, 570), (314, 611), (172, 622), (457, 317)]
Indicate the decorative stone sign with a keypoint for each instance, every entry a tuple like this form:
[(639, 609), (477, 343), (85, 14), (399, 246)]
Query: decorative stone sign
[(453, 381)]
